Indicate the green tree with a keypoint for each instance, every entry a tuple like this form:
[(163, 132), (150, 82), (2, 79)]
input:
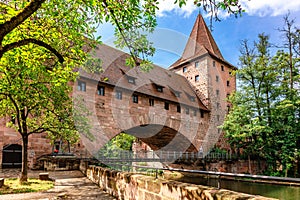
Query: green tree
[(43, 42), (264, 119)]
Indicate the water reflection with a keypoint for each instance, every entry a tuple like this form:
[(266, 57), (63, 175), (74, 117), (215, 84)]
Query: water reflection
[(268, 190)]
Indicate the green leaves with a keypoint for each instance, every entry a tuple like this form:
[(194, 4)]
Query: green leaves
[(264, 119)]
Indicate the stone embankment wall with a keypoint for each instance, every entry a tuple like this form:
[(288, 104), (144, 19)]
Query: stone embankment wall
[(139, 187)]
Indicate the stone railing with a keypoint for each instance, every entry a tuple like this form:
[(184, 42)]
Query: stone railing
[(139, 187)]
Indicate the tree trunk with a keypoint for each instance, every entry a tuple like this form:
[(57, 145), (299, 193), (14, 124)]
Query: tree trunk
[(24, 172)]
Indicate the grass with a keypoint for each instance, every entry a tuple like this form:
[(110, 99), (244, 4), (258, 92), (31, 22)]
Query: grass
[(12, 186)]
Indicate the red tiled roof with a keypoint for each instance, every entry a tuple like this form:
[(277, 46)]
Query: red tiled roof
[(113, 74)]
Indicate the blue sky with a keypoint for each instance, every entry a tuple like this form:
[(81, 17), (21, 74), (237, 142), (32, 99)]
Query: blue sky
[(175, 25)]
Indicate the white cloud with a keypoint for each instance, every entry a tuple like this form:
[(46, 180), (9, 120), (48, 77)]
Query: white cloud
[(169, 6), (270, 7), (252, 7)]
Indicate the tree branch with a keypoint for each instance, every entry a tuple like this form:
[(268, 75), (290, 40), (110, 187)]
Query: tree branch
[(34, 41), (15, 21)]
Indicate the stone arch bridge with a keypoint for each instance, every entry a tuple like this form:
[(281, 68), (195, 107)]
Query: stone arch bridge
[(159, 107)]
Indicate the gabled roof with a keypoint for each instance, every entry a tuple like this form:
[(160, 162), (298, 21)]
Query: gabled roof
[(200, 42), (116, 73)]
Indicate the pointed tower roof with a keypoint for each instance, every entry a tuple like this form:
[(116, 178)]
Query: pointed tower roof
[(199, 43)]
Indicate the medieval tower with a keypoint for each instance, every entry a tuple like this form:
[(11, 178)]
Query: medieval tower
[(203, 65)]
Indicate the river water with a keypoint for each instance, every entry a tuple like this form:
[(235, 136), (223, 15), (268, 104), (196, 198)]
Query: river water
[(268, 190)]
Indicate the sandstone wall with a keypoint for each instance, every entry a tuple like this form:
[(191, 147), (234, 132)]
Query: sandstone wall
[(139, 187)]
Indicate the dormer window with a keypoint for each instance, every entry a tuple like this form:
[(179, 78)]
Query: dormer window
[(192, 99), (131, 79), (177, 94), (159, 88)]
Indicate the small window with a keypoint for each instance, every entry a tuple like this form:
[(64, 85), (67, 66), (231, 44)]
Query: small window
[(192, 99), (135, 98), (228, 83), (81, 86), (201, 113), (217, 78), (218, 117), (197, 64), (195, 112), (151, 102), (166, 106), (218, 105), (187, 111), (197, 78), (178, 108), (119, 94), (214, 63), (177, 94), (101, 90), (217, 92), (229, 72), (159, 88), (222, 67), (131, 80), (227, 95), (184, 69)]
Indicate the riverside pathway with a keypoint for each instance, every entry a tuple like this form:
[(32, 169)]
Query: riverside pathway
[(68, 185)]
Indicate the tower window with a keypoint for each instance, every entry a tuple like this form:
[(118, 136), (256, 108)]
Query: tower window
[(166, 106), (119, 94), (101, 90), (151, 102), (187, 111), (214, 63), (178, 108), (217, 78), (197, 64), (184, 69), (222, 67), (81, 86), (201, 113), (228, 83), (197, 78), (135, 98), (217, 92), (228, 108)]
